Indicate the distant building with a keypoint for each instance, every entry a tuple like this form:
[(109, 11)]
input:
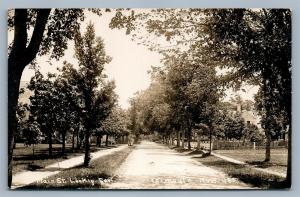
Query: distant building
[(249, 116)]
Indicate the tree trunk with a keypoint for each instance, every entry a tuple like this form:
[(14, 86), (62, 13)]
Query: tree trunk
[(78, 144), (167, 139), (50, 143), (33, 152), (116, 139), (210, 140), (182, 138), (18, 59), (15, 69), (268, 146), (198, 141), (87, 153), (100, 139), (189, 138), (289, 166), (73, 140), (268, 110), (289, 130), (63, 149), (106, 140), (172, 137), (178, 138), (13, 95)]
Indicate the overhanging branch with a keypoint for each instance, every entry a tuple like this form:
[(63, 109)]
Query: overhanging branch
[(37, 35)]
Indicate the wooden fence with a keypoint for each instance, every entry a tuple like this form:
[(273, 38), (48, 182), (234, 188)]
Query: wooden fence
[(228, 145)]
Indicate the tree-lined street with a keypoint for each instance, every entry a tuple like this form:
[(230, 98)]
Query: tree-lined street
[(155, 166), (214, 110)]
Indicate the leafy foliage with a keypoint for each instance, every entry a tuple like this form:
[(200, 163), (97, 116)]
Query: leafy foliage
[(97, 96), (254, 45), (42, 105), (115, 123)]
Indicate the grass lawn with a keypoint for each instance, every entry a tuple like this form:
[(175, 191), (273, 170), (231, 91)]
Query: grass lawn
[(243, 173), (24, 160), (101, 171), (278, 161)]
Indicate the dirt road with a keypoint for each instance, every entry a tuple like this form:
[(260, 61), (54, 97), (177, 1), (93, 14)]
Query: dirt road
[(154, 166)]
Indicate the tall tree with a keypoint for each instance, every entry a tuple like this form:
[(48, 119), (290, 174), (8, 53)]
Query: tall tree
[(32, 133), (42, 108), (66, 103), (257, 46), (51, 29), (96, 94)]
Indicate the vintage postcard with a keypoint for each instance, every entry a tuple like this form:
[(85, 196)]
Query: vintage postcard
[(149, 98)]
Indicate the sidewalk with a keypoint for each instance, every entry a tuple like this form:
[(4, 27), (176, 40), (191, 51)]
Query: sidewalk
[(243, 163), (28, 177)]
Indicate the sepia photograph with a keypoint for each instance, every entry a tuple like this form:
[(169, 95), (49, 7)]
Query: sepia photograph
[(149, 98)]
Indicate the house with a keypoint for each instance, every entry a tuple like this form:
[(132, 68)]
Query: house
[(250, 116)]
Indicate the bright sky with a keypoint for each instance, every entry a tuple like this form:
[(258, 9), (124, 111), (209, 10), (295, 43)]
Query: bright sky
[(129, 65)]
